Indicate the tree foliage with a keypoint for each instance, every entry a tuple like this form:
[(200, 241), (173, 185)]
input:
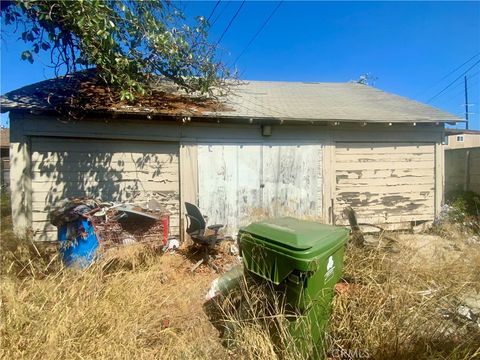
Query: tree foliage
[(129, 42)]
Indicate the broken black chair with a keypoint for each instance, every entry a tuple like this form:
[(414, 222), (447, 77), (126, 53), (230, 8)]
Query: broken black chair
[(197, 230)]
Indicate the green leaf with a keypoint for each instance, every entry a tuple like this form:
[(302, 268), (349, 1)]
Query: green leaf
[(130, 42), (27, 55)]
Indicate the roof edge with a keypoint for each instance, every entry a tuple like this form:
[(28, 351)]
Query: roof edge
[(187, 117)]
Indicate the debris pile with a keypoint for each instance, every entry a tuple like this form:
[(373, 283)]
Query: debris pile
[(470, 308), (221, 259), (226, 282), (115, 223)]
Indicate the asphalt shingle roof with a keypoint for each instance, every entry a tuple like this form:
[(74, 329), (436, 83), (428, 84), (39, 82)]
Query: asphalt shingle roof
[(328, 101), (287, 101)]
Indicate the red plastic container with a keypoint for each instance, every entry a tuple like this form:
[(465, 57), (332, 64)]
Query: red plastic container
[(166, 227)]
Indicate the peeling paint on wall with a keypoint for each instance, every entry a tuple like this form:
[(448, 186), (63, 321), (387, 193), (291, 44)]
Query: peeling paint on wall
[(385, 183)]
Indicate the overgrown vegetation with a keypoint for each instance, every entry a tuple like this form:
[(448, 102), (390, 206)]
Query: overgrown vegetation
[(135, 303), (129, 42), (465, 203), (390, 306), (253, 322), (404, 306), (461, 212)]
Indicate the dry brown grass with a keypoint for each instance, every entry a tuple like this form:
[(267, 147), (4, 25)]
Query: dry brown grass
[(253, 322), (135, 303), (140, 306), (403, 305), (400, 305)]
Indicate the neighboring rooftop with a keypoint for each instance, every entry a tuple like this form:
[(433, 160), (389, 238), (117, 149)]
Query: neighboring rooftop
[(461, 131), (262, 100)]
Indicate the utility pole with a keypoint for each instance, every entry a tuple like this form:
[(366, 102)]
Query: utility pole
[(466, 102)]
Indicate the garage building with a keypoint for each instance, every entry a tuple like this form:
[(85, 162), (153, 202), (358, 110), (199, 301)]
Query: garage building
[(267, 149)]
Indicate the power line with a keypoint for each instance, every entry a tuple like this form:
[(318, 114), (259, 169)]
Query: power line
[(258, 31), (454, 81), (231, 21), (213, 10), (446, 76), (460, 85), (453, 92), (457, 95), (227, 3), (457, 86)]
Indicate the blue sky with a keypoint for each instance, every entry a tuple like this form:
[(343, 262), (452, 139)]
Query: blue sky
[(408, 46)]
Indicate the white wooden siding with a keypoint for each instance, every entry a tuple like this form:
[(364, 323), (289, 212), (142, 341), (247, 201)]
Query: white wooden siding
[(242, 183), (24, 126), (385, 183), (106, 169)]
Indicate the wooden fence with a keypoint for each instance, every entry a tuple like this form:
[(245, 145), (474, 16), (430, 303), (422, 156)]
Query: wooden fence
[(462, 170)]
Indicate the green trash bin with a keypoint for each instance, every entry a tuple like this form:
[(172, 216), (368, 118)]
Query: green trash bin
[(303, 261)]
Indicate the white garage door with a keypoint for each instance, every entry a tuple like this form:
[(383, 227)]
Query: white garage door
[(107, 169), (243, 183), (385, 183)]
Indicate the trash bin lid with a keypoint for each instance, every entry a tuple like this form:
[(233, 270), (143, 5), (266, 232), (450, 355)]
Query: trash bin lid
[(296, 234)]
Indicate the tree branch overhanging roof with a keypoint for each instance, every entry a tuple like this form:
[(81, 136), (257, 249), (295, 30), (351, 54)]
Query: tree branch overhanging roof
[(258, 100)]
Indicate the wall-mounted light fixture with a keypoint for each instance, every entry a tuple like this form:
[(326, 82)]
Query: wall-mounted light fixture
[(266, 130)]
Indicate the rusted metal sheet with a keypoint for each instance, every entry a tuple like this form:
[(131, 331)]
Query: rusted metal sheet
[(385, 183), (124, 171), (242, 183)]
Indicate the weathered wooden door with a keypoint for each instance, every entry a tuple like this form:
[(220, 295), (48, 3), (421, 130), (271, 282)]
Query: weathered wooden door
[(292, 180), (229, 183), (239, 184)]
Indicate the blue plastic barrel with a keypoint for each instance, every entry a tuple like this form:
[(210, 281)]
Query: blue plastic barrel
[(78, 243)]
